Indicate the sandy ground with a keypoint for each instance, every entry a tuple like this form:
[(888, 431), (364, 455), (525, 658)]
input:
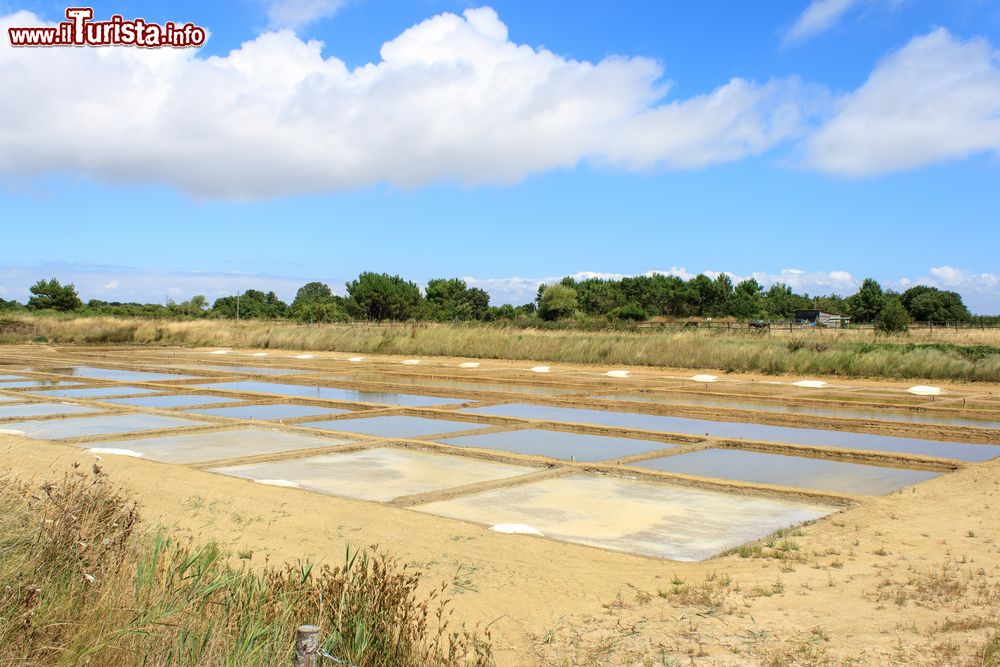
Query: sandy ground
[(912, 578)]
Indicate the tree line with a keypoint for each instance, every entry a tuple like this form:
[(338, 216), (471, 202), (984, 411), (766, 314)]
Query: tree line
[(384, 297)]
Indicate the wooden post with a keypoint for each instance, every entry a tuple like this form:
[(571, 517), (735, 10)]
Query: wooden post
[(307, 646)]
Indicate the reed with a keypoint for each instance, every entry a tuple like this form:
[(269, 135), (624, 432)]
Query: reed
[(941, 355), (82, 584)]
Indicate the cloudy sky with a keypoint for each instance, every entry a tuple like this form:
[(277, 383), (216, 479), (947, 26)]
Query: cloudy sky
[(813, 143)]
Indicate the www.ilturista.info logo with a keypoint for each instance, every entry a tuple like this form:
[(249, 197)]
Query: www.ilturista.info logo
[(81, 30)]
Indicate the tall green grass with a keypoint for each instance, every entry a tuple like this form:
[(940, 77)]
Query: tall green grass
[(946, 355), (81, 584)]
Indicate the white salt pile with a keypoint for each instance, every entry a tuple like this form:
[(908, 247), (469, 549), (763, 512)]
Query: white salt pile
[(924, 390), (617, 374), (115, 452), (259, 354), (355, 358), (541, 369), (814, 384), (10, 431), (278, 482), (221, 352), (515, 529), (410, 362), (704, 378), (304, 356), (469, 364)]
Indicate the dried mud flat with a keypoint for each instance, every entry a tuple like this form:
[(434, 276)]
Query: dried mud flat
[(911, 578)]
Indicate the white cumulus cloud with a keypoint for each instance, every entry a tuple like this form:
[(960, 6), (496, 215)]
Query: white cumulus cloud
[(452, 99), (818, 17), (936, 99), (299, 13), (117, 283), (822, 15)]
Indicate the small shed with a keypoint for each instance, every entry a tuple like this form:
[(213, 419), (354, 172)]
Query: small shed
[(822, 319)]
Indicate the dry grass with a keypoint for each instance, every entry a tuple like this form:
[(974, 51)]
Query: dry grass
[(80, 584), (942, 355)]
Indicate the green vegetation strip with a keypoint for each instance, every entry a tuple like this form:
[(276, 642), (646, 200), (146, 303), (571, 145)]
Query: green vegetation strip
[(803, 354)]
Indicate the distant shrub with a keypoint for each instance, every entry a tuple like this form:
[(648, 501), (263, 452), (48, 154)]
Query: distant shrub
[(893, 318), (632, 312), (556, 301)]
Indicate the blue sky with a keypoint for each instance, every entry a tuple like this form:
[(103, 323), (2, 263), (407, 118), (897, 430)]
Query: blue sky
[(509, 143)]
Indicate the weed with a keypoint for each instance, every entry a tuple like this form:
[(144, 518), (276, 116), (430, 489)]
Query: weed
[(80, 583)]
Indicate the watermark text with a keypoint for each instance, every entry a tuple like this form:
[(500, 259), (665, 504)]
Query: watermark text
[(79, 29)]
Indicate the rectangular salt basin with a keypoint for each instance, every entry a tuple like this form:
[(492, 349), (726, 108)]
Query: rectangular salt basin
[(256, 370), (333, 393), (459, 384), (218, 445), (172, 401), (100, 425), (395, 426), (378, 474), (800, 436), (96, 392), (835, 476), (43, 410), (558, 444), (660, 520), (5, 378), (823, 411), (39, 384), (123, 375), (265, 412)]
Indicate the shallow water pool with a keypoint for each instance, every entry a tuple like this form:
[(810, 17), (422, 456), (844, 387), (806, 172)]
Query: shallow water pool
[(333, 393), (748, 431), (558, 444), (825, 475), (221, 445), (395, 426), (79, 427)]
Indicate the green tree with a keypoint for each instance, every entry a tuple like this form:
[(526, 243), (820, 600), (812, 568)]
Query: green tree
[(50, 295), (866, 305), (746, 302), (315, 302), (830, 304), (195, 307), (251, 305), (893, 318), (556, 301), (707, 297), (443, 294), (502, 312), (451, 298), (379, 296), (723, 295), (596, 296), (929, 304), (780, 302), (473, 304)]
